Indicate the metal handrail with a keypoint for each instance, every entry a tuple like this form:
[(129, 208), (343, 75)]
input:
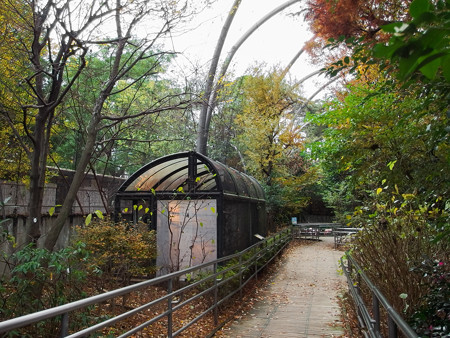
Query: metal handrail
[(372, 325), (255, 264)]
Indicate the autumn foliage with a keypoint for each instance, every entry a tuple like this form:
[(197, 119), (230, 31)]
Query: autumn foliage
[(119, 250), (353, 18)]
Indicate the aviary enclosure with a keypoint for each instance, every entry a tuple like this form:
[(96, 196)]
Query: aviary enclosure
[(201, 209)]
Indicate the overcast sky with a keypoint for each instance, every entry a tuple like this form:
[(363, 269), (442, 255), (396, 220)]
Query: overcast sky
[(276, 42)]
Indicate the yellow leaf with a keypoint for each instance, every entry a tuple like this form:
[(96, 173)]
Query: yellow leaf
[(379, 190), (88, 219), (99, 214)]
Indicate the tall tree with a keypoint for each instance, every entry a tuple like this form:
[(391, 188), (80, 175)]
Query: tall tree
[(385, 150), (58, 38), (14, 162), (272, 145)]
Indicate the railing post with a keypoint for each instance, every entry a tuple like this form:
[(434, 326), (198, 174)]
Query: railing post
[(376, 312), (393, 332), (256, 265), (349, 265), (216, 313), (65, 324), (359, 312), (169, 308), (240, 275)]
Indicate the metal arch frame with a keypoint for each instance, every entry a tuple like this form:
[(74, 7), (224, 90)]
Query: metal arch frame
[(213, 167)]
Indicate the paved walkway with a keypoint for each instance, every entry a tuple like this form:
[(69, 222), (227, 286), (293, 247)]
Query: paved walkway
[(301, 299)]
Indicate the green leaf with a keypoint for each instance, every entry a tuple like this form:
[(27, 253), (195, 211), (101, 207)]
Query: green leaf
[(201, 224), (125, 210), (391, 164), (99, 214), (431, 68), (383, 51), (406, 65), (88, 219), (147, 210), (392, 27), (418, 7), (51, 211), (140, 207), (434, 38), (445, 65), (213, 210), (403, 296)]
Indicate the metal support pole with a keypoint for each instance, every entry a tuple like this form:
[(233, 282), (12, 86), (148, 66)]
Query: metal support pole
[(240, 275), (216, 310), (169, 308), (376, 312), (256, 266), (393, 332), (358, 308), (65, 324)]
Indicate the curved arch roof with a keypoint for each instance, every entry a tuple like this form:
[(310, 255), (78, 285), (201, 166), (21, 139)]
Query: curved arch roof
[(191, 172)]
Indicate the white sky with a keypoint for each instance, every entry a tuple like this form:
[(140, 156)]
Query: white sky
[(276, 42)]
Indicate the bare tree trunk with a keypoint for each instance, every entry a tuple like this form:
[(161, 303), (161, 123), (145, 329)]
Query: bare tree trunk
[(211, 103), (37, 174), (86, 154), (66, 208)]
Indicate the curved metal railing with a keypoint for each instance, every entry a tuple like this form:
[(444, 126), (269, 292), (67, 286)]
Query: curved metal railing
[(371, 323), (239, 269)]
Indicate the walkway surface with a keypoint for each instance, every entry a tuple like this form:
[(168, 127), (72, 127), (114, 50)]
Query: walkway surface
[(300, 299)]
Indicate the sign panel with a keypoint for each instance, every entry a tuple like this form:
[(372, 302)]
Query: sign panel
[(186, 233)]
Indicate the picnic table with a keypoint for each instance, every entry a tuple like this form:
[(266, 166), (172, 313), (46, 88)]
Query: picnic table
[(344, 235), (313, 231)]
